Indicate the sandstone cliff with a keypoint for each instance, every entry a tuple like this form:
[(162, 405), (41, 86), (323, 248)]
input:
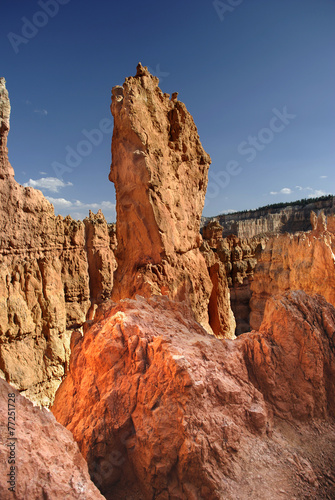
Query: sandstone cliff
[(46, 461), (159, 169), (160, 409), (266, 221), (304, 261), (51, 271)]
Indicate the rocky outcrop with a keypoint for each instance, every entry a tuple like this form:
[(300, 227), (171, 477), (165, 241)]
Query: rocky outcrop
[(100, 239), (52, 270), (6, 169), (160, 409), (221, 316), (38, 457), (299, 382), (304, 261), (239, 257), (268, 220), (159, 169)]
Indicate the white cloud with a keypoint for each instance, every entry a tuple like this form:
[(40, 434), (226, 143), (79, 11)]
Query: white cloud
[(286, 191), (229, 211), (282, 191), (59, 202), (316, 193), (310, 192), (323, 176), (41, 112), (50, 183), (43, 173)]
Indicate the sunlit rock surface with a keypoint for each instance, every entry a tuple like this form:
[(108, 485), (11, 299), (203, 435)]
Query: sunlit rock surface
[(161, 409), (159, 169)]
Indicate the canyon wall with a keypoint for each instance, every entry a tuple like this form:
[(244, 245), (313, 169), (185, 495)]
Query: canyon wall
[(290, 219), (159, 169), (303, 261), (52, 271), (260, 267)]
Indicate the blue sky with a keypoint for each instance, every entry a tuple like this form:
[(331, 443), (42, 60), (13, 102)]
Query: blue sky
[(258, 77)]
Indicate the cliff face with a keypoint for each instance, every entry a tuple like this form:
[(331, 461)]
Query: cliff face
[(159, 170), (290, 219), (51, 270), (304, 261)]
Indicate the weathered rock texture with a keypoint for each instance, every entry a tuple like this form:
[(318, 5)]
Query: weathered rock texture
[(6, 169), (159, 169), (221, 316), (163, 410), (239, 257), (304, 261), (46, 459), (290, 219), (51, 271)]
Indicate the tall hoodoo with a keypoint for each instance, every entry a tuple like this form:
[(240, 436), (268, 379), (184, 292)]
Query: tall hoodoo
[(159, 169)]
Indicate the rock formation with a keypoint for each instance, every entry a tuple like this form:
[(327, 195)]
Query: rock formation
[(159, 169), (273, 220), (45, 461), (51, 271), (304, 261), (160, 409), (100, 243), (6, 169), (238, 256)]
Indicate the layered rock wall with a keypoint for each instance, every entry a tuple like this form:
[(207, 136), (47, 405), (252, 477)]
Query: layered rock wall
[(304, 261), (289, 219)]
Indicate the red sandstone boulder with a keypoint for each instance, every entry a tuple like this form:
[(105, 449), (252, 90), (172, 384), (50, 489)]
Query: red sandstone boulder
[(292, 357), (160, 409), (46, 461)]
